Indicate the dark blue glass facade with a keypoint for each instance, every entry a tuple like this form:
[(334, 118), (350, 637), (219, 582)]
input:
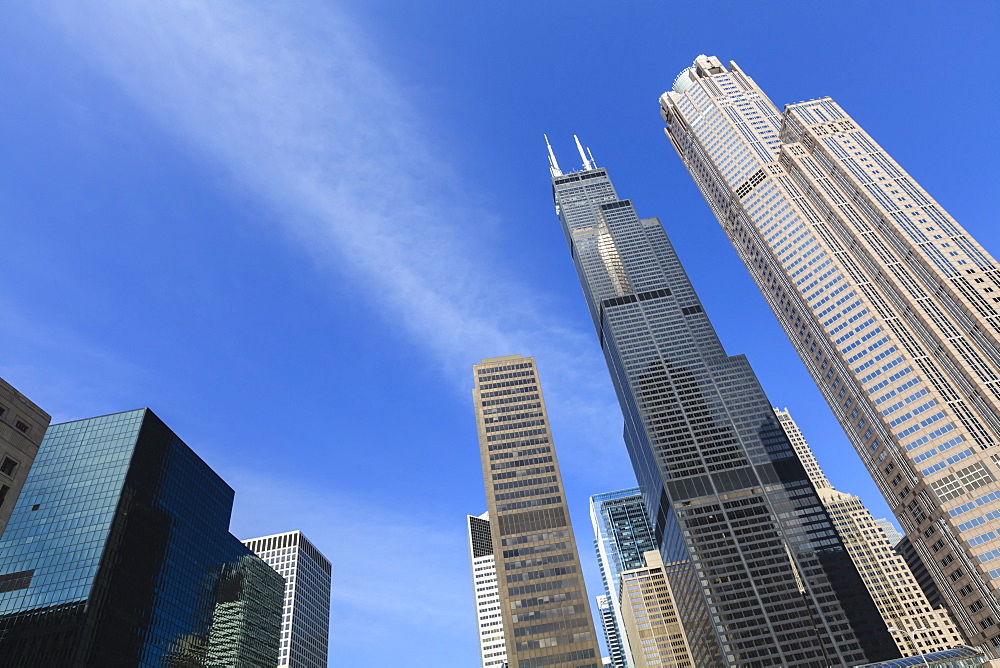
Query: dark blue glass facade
[(758, 572), (118, 553)]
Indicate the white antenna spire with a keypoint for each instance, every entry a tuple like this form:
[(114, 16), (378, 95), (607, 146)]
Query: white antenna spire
[(592, 163), (553, 165), (587, 162)]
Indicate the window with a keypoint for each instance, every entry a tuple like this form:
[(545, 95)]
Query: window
[(3, 493), (15, 581), (8, 466), (21, 427)]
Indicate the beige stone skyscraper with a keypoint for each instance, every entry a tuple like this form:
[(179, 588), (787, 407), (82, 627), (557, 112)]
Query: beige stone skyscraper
[(900, 600), (802, 449), (22, 426), (543, 600), (890, 303), (649, 614)]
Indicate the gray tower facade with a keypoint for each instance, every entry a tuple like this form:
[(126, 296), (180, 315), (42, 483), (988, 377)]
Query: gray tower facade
[(753, 551)]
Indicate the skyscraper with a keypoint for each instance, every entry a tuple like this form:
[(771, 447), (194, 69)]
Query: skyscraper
[(891, 532), (118, 553), (754, 552), (622, 533), (22, 426), (305, 622), (891, 305), (802, 449), (650, 619), (612, 633), (919, 628), (489, 621), (543, 600)]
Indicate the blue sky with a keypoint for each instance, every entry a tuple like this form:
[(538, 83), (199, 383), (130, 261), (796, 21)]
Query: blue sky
[(291, 229)]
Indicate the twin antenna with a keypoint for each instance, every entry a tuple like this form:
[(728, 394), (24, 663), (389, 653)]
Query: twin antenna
[(586, 156)]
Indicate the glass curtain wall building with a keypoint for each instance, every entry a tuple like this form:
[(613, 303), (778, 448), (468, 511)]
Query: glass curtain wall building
[(728, 498), (891, 305), (543, 598), (118, 553), (622, 533), (305, 621)]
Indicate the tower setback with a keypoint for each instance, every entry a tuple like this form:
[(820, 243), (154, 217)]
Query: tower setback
[(759, 574)]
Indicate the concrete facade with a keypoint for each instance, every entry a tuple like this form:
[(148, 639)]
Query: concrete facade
[(305, 622), (22, 426), (920, 627)]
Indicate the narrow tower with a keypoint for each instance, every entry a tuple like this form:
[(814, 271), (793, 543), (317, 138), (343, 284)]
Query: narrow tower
[(891, 305), (543, 600), (753, 551), (650, 616), (489, 621), (305, 624)]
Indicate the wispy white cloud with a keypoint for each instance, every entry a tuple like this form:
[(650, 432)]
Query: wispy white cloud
[(295, 108), (296, 112)]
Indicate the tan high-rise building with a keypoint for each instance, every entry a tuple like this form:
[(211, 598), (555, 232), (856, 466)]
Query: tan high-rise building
[(892, 306), (22, 426), (543, 601), (655, 631), (900, 600), (802, 449)]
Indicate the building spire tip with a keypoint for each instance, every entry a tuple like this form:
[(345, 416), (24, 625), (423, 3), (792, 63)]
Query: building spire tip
[(588, 163), (553, 165)]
